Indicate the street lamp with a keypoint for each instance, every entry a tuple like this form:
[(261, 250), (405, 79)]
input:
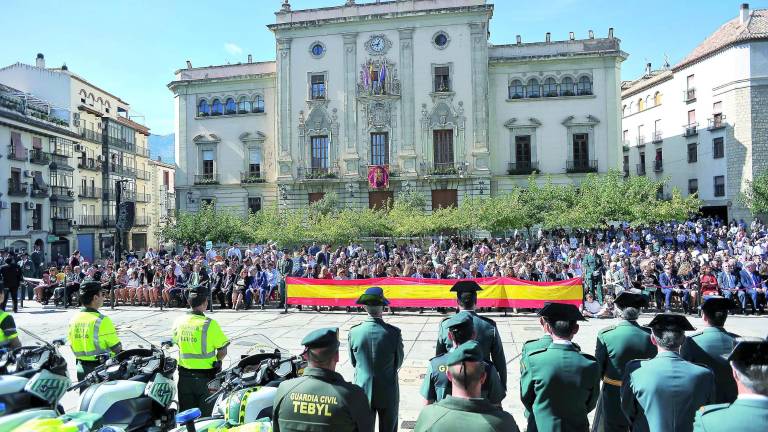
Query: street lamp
[(118, 231)]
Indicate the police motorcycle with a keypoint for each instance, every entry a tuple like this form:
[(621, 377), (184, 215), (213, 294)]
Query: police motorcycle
[(33, 380), (132, 391), (245, 392)]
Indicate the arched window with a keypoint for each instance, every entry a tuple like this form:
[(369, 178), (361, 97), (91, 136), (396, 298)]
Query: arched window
[(584, 87), (516, 89), (657, 98), (532, 89), (624, 111), (640, 104), (567, 88), (230, 107), (216, 107), (258, 104), (550, 87), (203, 110), (243, 105)]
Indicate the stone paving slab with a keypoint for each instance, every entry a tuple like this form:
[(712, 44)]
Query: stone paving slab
[(287, 330)]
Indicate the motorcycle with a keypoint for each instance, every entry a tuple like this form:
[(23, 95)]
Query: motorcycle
[(245, 392), (32, 382), (133, 391)]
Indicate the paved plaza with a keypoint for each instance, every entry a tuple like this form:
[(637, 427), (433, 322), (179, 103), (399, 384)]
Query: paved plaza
[(287, 330)]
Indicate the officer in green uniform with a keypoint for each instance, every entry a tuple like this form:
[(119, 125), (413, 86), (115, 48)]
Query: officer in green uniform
[(593, 274), (91, 334), (709, 347), (559, 385), (285, 267), (749, 413), (376, 352), (320, 400), (436, 385), (202, 345), (487, 335), (663, 393), (617, 345), (9, 339), (464, 409)]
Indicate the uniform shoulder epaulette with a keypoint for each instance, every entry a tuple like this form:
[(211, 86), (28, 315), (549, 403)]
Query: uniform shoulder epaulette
[(575, 345), (607, 329), (488, 320), (706, 409), (529, 341), (589, 356), (537, 351), (698, 333), (355, 325)]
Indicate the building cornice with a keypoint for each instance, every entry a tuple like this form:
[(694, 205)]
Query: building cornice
[(645, 86), (486, 9), (564, 56), (235, 78)]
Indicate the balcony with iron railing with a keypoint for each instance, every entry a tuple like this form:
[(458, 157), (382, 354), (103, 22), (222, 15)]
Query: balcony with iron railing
[(142, 221), (17, 188), (89, 192), (91, 135), (206, 179), (689, 95), (125, 195), (39, 157), (247, 177), (657, 137), (640, 140), (28, 105), (62, 193), (658, 165), (89, 164), (641, 169), (143, 197), (716, 122), (18, 153), (317, 173), (581, 166), (142, 151), (142, 174), (443, 168), (121, 143), (122, 170), (91, 221), (690, 130), (522, 167), (38, 193)]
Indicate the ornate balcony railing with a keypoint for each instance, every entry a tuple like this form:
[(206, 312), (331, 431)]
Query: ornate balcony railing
[(581, 166), (522, 167)]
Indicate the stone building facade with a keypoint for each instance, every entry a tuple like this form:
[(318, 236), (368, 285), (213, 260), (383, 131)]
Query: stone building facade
[(700, 122), (411, 86)]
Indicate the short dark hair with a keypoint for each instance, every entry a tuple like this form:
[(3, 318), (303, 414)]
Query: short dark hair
[(466, 373), (87, 297), (462, 333), (467, 300), (197, 300), (322, 356), (562, 329), (670, 340), (716, 318)]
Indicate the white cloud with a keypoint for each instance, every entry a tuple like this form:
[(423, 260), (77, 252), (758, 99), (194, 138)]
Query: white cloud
[(232, 48)]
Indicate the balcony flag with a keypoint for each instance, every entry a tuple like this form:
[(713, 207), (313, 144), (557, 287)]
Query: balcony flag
[(378, 176)]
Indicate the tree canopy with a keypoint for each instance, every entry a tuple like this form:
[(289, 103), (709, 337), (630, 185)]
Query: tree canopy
[(755, 197), (599, 200)]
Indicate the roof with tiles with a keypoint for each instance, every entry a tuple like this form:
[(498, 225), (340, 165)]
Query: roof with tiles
[(731, 33), (629, 88)]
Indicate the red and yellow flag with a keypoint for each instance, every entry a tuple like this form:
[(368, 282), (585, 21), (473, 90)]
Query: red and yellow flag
[(411, 292)]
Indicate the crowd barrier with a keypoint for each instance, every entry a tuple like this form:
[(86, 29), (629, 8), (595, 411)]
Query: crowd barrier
[(412, 292)]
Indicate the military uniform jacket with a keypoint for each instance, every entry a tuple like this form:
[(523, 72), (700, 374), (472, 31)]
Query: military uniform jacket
[(436, 385), (616, 346), (744, 415), (559, 386), (462, 415), (320, 401), (376, 352), (487, 337), (663, 394), (707, 348)]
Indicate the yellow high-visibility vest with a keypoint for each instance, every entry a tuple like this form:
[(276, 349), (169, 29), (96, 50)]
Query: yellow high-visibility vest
[(90, 334), (7, 334), (198, 337)]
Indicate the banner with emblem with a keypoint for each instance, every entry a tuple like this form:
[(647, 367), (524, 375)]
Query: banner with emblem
[(378, 176), (413, 292)]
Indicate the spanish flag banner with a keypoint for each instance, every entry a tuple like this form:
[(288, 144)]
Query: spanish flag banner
[(412, 292)]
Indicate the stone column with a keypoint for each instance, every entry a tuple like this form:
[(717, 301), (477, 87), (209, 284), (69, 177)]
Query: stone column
[(479, 37), (351, 158), (284, 107), (407, 152)]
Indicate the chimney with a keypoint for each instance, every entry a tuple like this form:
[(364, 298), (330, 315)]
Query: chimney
[(610, 33), (744, 13), (64, 67), (40, 61), (250, 58), (591, 34), (189, 64), (648, 68), (571, 36), (548, 37), (519, 39)]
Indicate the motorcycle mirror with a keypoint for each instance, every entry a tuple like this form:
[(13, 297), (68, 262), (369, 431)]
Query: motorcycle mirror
[(167, 343), (60, 342)]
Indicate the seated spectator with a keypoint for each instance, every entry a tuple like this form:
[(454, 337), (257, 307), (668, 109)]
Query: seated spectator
[(591, 307)]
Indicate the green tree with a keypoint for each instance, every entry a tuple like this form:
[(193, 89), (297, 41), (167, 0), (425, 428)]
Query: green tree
[(755, 196)]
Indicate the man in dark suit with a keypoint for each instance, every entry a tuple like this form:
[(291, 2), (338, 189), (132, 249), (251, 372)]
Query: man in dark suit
[(323, 258), (730, 285), (753, 286), (12, 277)]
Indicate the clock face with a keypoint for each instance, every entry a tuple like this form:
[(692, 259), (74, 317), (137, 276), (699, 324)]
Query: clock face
[(377, 44)]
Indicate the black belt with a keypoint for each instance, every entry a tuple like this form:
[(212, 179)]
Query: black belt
[(198, 372), (89, 362)]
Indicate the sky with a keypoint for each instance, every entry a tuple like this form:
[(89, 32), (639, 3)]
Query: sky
[(132, 48)]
